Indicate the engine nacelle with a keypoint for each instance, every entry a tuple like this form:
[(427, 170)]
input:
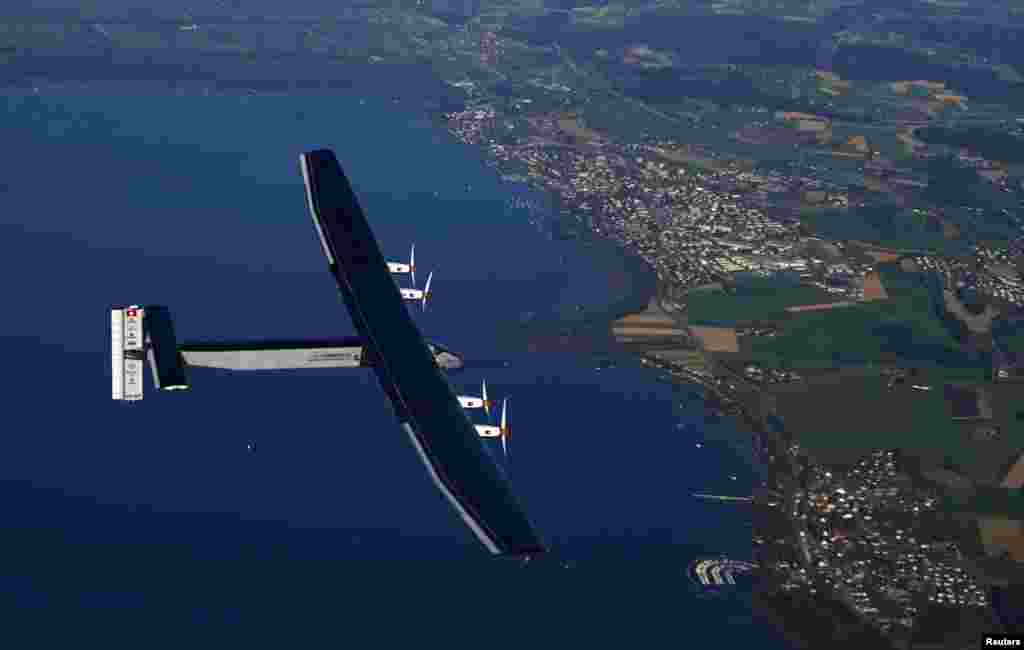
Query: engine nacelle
[(488, 430), (418, 294), (502, 431), (410, 268), (444, 357), (474, 402)]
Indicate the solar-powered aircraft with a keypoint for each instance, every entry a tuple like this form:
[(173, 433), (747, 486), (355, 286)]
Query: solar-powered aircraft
[(408, 368)]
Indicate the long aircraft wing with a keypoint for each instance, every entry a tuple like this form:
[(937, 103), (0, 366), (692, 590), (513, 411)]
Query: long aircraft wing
[(424, 402)]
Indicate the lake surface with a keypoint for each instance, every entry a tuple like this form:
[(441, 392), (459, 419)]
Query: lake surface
[(196, 202)]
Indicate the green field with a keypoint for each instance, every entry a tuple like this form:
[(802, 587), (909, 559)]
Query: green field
[(889, 226), (867, 333), (873, 417), (903, 329), (758, 300), (840, 419), (989, 501), (626, 120)]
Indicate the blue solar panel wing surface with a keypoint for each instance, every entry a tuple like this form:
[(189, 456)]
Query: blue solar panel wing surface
[(424, 402)]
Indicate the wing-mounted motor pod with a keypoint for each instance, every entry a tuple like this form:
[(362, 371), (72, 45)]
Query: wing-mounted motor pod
[(410, 268), (127, 352), (165, 361), (444, 357), (419, 295), (502, 432), (477, 402)]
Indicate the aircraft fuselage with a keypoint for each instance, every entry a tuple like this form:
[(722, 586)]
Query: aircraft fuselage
[(286, 355)]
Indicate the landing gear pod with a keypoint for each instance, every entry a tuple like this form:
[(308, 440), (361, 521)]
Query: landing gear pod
[(164, 359)]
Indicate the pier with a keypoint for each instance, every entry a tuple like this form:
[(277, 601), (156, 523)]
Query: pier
[(715, 497)]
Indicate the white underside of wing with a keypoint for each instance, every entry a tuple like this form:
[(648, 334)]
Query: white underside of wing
[(478, 531), (326, 357)]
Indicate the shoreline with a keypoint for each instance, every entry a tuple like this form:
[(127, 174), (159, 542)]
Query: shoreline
[(748, 407), (789, 471), (567, 226), (646, 287), (769, 445)]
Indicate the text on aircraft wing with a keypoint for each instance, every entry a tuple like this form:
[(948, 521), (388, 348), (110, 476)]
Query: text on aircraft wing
[(424, 402)]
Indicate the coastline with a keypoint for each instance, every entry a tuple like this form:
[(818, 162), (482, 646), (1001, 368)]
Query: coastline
[(770, 446), (723, 393), (565, 225), (769, 443), (632, 284)]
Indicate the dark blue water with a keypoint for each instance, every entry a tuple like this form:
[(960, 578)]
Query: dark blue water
[(197, 203)]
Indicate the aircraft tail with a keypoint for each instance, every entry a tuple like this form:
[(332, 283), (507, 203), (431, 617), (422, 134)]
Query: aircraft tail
[(135, 333)]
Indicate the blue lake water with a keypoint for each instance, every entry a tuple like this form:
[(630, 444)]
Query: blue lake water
[(196, 202)]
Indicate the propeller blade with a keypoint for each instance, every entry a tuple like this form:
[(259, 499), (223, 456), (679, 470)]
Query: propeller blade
[(412, 264), (504, 427), (426, 290), (487, 402)]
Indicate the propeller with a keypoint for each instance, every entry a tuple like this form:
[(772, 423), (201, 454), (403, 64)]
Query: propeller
[(412, 264), (487, 402), (505, 431), (426, 290)]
